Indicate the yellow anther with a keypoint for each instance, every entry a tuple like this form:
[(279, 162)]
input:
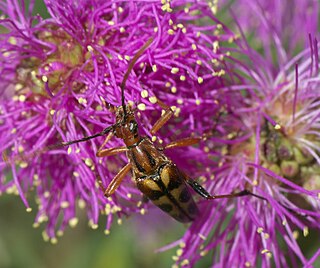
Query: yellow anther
[(81, 203), (277, 126), (200, 80), (154, 68), (153, 99), (82, 100), (142, 211), (23, 164), (203, 253), (305, 231), (64, 204), (174, 70), (185, 262), (73, 222), (54, 240), (89, 48), (88, 162), (215, 46), (260, 230), (45, 236), (59, 233), (295, 234), (142, 107), (22, 98), (44, 79)]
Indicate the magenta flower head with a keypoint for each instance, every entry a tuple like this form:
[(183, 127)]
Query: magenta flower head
[(272, 25), (61, 80), (270, 147)]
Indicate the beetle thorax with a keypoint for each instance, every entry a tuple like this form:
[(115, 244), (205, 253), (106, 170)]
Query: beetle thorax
[(126, 126)]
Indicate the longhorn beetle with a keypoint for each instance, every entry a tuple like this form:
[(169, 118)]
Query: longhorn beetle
[(156, 176)]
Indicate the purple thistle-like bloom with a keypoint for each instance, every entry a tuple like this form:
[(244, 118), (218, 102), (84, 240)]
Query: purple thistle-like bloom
[(272, 147), (60, 75), (278, 29)]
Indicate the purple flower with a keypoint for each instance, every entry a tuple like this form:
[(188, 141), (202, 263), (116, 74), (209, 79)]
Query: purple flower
[(270, 147), (60, 75), (279, 29)]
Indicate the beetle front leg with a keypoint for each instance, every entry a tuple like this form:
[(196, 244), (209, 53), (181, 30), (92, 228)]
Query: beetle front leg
[(116, 181), (110, 151)]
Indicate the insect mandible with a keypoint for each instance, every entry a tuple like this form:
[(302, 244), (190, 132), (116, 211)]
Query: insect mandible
[(155, 175)]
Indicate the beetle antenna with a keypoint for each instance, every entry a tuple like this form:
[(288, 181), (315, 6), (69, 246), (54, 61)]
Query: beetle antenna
[(130, 67), (21, 157)]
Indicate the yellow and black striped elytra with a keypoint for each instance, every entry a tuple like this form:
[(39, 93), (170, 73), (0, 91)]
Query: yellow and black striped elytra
[(159, 179), (156, 176)]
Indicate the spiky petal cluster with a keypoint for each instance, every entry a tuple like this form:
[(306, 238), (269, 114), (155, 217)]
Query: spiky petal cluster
[(279, 29), (271, 147), (275, 152), (60, 75)]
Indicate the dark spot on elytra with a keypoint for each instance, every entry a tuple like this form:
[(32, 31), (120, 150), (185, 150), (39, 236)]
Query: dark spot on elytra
[(155, 195), (173, 184), (166, 207), (184, 195)]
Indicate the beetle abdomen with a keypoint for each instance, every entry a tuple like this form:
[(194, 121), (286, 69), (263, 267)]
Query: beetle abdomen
[(167, 190)]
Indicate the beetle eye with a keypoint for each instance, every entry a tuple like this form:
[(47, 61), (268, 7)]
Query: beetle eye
[(133, 126)]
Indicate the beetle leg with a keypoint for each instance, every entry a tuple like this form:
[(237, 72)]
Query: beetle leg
[(183, 142), (116, 181), (201, 191), (163, 119), (111, 151)]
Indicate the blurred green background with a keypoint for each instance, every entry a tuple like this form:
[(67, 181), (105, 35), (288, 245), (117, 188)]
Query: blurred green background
[(131, 244)]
